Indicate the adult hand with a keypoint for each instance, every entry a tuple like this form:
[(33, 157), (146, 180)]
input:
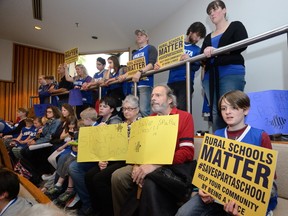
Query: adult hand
[(142, 171), (136, 77), (206, 198), (184, 57), (85, 86), (231, 208), (31, 142), (102, 164), (122, 78), (208, 51), (157, 66)]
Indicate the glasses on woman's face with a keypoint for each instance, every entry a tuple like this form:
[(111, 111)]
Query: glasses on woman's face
[(49, 111), (128, 109)]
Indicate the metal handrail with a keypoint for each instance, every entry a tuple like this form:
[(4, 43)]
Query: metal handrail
[(237, 45)]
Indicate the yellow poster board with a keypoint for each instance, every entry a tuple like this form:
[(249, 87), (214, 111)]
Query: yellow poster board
[(170, 52), (135, 65), (71, 56), (103, 143), (153, 140), (231, 170)]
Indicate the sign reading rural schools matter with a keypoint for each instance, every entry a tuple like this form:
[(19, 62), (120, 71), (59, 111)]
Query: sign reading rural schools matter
[(135, 65), (71, 56), (170, 52), (231, 170)]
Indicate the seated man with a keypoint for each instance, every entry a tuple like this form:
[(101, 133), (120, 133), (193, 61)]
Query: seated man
[(10, 203), (162, 186)]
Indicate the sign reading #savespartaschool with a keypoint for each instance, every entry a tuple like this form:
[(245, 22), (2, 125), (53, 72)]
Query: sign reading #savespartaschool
[(231, 170)]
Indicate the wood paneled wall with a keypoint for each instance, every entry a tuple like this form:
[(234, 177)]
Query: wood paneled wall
[(28, 64)]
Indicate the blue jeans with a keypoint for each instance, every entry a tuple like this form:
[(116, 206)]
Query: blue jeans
[(195, 206), (144, 94), (77, 172), (226, 84)]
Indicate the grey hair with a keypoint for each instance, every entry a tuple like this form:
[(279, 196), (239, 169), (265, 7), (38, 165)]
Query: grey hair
[(170, 94), (132, 100)]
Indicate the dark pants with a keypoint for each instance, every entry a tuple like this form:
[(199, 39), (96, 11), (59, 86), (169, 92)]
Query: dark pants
[(39, 158), (161, 192), (98, 183), (179, 89)]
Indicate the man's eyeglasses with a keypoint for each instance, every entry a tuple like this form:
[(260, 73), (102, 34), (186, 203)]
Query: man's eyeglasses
[(128, 108)]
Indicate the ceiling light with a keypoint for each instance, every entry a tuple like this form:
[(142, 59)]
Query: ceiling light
[(37, 27), (94, 37)]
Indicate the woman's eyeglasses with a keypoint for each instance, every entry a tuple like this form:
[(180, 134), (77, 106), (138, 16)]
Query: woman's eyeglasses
[(128, 108), (48, 111)]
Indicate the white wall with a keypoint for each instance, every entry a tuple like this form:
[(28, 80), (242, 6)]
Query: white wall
[(266, 62), (6, 54)]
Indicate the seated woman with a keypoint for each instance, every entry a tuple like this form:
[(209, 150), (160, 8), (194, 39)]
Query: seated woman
[(38, 157), (57, 139), (98, 179)]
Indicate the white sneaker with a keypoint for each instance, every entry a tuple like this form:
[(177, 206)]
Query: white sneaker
[(46, 177), (73, 201), (270, 213)]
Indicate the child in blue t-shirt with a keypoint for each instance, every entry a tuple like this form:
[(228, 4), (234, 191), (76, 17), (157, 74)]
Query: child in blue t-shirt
[(234, 106), (21, 141)]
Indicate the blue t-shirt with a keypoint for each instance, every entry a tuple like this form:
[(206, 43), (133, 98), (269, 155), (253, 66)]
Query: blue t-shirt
[(86, 95), (179, 73), (144, 51), (226, 69)]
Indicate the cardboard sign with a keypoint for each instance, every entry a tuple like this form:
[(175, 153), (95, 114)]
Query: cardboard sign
[(71, 56), (152, 136), (170, 52), (103, 143), (135, 65), (269, 111), (148, 137), (231, 170)]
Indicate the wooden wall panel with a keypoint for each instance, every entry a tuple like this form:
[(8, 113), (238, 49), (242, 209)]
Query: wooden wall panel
[(28, 64)]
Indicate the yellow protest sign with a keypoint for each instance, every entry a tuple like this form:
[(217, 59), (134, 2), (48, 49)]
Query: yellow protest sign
[(103, 143), (231, 170), (170, 52), (71, 56), (135, 65), (153, 140)]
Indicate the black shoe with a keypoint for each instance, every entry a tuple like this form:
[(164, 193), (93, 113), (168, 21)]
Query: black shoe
[(86, 212)]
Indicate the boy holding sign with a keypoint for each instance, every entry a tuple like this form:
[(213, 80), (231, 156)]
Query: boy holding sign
[(234, 106)]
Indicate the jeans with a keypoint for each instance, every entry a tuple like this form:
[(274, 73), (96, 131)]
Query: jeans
[(144, 94), (226, 84), (77, 172), (195, 206)]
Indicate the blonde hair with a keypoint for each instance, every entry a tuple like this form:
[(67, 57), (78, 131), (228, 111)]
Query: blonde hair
[(89, 113)]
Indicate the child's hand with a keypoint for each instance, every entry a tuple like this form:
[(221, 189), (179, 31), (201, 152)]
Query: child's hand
[(12, 144), (60, 149), (102, 164)]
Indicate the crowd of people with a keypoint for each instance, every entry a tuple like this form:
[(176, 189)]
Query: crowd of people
[(114, 187)]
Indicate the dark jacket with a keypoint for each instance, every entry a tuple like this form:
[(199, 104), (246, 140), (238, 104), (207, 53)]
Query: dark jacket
[(235, 32)]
